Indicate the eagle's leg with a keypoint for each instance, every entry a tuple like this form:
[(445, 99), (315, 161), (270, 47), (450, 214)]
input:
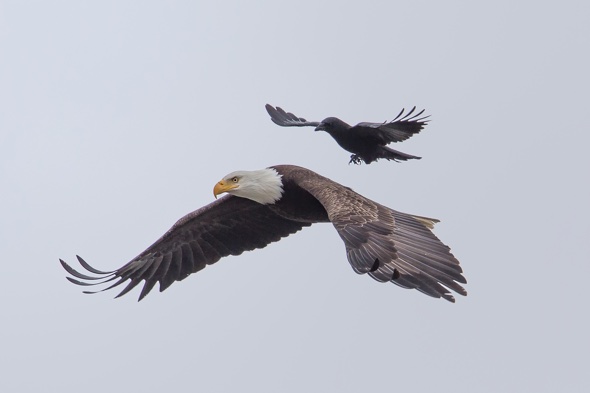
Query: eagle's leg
[(355, 159)]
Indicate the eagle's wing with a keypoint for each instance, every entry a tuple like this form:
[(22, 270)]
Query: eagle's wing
[(397, 130), (287, 119), (387, 244), (228, 226)]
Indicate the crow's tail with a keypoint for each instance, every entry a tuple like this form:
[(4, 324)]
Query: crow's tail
[(390, 154)]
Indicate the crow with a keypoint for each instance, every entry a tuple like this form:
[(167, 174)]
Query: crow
[(365, 140)]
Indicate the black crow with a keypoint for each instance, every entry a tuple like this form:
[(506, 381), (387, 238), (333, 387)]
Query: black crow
[(365, 140)]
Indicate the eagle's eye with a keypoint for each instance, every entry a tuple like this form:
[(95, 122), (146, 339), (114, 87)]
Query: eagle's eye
[(234, 179)]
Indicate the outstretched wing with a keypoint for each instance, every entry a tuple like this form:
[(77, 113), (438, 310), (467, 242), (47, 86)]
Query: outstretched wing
[(397, 130), (228, 226), (386, 244), (287, 119)]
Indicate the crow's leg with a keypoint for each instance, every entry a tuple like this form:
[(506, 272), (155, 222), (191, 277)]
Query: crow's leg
[(355, 159)]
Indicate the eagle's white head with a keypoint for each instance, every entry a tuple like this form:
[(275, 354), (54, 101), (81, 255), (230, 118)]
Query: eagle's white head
[(263, 186)]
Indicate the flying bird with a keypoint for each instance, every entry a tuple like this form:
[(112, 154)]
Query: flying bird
[(367, 141), (266, 205)]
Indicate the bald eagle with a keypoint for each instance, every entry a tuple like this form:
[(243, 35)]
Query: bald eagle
[(365, 140), (266, 205)]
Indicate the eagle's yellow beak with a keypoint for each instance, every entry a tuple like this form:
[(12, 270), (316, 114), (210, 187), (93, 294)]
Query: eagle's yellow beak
[(222, 187)]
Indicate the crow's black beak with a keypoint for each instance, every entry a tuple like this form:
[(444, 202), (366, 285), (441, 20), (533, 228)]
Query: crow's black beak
[(320, 127)]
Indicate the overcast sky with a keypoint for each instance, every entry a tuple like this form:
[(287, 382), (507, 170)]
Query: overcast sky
[(117, 118)]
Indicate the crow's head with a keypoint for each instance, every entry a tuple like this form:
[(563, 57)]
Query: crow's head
[(330, 124)]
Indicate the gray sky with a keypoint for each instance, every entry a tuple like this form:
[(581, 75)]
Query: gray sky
[(117, 119)]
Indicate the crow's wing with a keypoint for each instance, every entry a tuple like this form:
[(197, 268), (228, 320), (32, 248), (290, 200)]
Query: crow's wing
[(287, 119), (397, 130)]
